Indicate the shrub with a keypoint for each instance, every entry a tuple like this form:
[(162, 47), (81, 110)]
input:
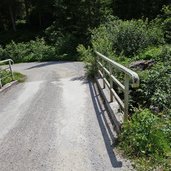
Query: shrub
[(31, 51), (16, 52), (126, 37), (40, 51), (157, 53), (155, 89), (167, 23), (131, 36), (87, 56), (149, 53), (65, 44), (101, 41), (143, 135)]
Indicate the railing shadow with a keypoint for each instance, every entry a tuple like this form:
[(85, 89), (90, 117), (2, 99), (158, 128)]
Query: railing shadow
[(82, 78), (104, 127)]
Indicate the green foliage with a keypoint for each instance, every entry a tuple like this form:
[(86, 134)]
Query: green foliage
[(131, 37), (17, 76), (87, 56), (146, 139), (101, 41), (28, 52), (126, 37), (157, 53), (155, 89), (65, 44), (143, 135), (167, 23), (146, 135), (149, 53)]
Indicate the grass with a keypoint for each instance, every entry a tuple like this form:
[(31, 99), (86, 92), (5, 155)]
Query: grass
[(17, 76)]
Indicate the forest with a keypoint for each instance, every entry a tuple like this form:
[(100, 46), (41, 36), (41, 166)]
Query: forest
[(134, 33)]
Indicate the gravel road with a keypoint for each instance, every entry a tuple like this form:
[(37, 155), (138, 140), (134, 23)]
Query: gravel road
[(55, 122)]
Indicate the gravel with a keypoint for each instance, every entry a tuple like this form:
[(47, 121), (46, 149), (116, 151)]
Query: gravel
[(55, 122)]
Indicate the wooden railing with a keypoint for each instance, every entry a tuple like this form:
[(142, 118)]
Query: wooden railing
[(105, 68), (7, 69)]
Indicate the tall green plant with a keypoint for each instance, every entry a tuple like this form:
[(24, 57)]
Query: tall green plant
[(126, 37), (143, 135)]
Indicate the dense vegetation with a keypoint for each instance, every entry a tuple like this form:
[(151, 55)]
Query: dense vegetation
[(125, 31), (146, 136), (61, 26)]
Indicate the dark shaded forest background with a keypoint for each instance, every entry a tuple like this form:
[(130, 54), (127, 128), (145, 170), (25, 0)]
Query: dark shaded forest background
[(23, 20)]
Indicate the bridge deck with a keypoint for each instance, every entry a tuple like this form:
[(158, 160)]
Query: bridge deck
[(55, 121)]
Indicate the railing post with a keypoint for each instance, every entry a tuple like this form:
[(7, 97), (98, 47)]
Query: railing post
[(126, 97), (103, 63), (97, 65), (111, 83)]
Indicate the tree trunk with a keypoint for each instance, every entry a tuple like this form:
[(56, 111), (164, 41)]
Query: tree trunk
[(26, 9), (40, 20), (89, 14), (12, 18)]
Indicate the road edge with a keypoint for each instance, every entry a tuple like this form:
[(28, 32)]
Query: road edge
[(9, 85)]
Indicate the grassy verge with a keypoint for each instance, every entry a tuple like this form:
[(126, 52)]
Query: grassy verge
[(17, 76)]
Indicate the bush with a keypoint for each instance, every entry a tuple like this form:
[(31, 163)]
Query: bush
[(126, 37), (31, 51), (149, 53), (16, 52), (157, 53), (102, 42), (87, 56), (65, 44), (155, 89), (143, 135), (167, 23), (131, 36)]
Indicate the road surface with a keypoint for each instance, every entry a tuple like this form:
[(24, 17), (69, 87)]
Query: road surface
[(55, 122)]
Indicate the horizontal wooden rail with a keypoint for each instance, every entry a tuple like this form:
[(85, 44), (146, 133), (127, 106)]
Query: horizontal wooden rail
[(105, 70), (9, 62)]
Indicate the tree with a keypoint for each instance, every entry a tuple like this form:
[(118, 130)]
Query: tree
[(77, 16), (128, 9), (10, 9), (42, 12)]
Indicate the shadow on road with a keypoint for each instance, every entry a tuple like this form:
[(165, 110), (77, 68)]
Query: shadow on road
[(105, 129), (43, 64), (82, 78)]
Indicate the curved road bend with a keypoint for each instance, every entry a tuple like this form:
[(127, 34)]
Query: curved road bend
[(53, 122)]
